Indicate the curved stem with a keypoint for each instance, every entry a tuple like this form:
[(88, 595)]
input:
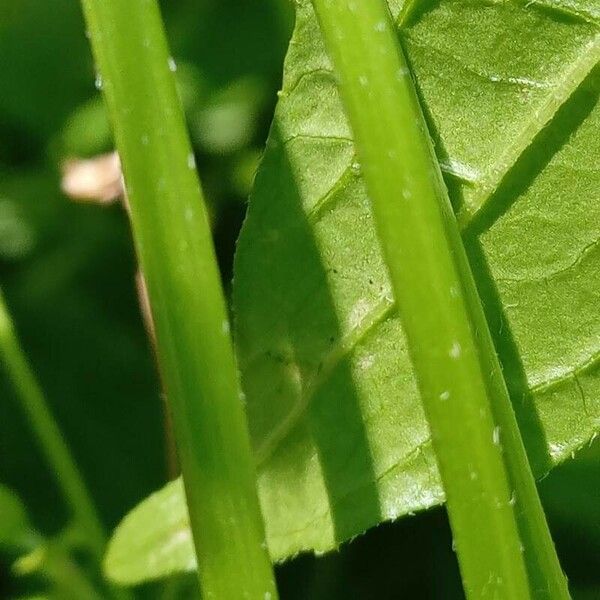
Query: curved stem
[(54, 562), (49, 435), (491, 496), (174, 246)]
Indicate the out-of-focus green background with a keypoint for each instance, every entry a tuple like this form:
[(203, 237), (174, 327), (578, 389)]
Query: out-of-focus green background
[(67, 271)]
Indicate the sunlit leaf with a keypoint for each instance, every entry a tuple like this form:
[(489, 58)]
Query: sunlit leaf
[(154, 539), (510, 93)]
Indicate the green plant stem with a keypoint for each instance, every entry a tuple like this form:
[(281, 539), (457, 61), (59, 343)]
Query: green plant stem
[(67, 577), (52, 560), (173, 241), (503, 543), (49, 435)]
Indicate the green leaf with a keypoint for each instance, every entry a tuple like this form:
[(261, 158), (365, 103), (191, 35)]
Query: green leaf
[(341, 440), (154, 540), (336, 419)]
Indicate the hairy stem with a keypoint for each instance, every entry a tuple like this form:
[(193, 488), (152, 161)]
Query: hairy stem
[(173, 241), (503, 543), (48, 434)]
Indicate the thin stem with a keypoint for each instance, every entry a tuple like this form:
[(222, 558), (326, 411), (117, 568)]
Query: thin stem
[(52, 560), (66, 575), (174, 246), (49, 435), (491, 496)]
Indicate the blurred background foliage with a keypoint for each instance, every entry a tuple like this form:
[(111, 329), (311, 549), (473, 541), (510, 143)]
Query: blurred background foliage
[(68, 272)]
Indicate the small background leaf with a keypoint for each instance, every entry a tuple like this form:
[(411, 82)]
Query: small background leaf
[(154, 540)]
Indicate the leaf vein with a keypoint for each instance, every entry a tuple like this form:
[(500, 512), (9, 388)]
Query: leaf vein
[(589, 365), (329, 362), (588, 249)]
